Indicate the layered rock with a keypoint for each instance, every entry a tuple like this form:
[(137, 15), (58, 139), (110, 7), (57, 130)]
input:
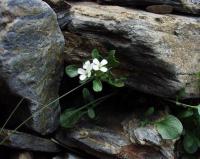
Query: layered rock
[(30, 58), (159, 53), (122, 137), (26, 141), (185, 6), (147, 135), (105, 143)]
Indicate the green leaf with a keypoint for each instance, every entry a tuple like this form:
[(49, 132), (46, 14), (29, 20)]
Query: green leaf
[(97, 85), (116, 82), (95, 54), (91, 113), (71, 71), (70, 117), (112, 61), (186, 113), (190, 143), (170, 127), (198, 108), (87, 95), (150, 111)]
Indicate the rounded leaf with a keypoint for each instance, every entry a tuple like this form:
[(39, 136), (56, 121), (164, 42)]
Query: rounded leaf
[(97, 86), (95, 54), (71, 71), (186, 113), (116, 82), (112, 61), (170, 127), (198, 108), (190, 143), (91, 113)]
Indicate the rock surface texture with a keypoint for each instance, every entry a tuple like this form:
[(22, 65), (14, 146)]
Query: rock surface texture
[(106, 143), (122, 137), (28, 142), (185, 6), (148, 135), (30, 57), (159, 53)]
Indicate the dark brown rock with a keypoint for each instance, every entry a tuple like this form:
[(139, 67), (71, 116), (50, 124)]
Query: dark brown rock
[(160, 9), (184, 6)]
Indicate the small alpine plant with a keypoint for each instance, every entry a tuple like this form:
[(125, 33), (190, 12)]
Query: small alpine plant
[(98, 69)]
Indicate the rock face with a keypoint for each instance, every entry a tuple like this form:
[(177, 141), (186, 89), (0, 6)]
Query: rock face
[(105, 143), (28, 142), (185, 6), (30, 57), (148, 135), (160, 53), (123, 137)]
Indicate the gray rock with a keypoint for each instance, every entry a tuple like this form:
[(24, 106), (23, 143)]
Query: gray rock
[(25, 141), (185, 6), (105, 143), (30, 57), (148, 135), (93, 138), (159, 53)]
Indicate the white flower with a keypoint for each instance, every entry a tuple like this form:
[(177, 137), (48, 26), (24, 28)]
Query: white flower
[(99, 65), (85, 72)]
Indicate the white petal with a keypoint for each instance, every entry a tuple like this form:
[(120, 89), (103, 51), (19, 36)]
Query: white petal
[(86, 64), (104, 62), (81, 71), (96, 61), (82, 77), (89, 74), (95, 67), (90, 67), (103, 69)]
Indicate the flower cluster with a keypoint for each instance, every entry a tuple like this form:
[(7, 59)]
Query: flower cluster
[(86, 71)]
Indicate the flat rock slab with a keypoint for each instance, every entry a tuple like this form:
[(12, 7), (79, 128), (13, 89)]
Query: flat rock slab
[(31, 44), (159, 53), (26, 141), (105, 143)]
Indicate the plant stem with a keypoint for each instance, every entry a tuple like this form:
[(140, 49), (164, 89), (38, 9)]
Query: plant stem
[(40, 110), (98, 101), (11, 114), (181, 104)]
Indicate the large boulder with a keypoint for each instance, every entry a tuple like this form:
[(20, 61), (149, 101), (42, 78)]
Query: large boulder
[(185, 6), (30, 58), (159, 53)]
